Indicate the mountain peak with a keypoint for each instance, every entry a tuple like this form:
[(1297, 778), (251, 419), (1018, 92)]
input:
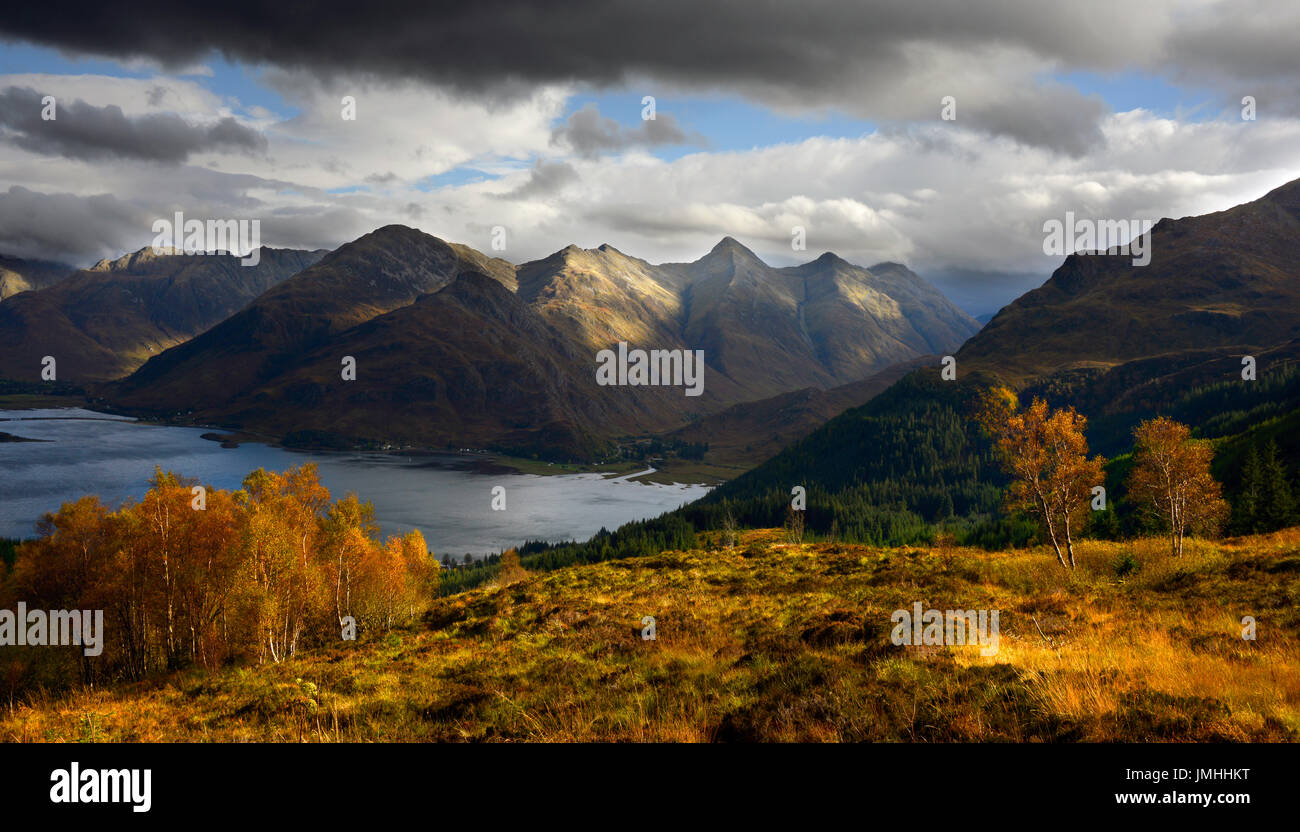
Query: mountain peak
[(830, 258), (394, 228), (132, 259), (396, 232), (729, 246), (564, 255)]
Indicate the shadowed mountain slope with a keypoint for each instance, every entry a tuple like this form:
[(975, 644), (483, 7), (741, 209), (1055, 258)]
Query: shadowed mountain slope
[(382, 271), (103, 322)]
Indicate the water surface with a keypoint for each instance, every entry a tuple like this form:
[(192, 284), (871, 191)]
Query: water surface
[(112, 456)]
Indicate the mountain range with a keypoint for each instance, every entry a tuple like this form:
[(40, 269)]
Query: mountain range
[(453, 347), (104, 322), (456, 347)]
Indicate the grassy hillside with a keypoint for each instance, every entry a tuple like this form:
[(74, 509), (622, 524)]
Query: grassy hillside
[(772, 640)]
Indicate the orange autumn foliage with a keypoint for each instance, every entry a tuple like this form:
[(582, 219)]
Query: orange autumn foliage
[(254, 574), (1046, 454)]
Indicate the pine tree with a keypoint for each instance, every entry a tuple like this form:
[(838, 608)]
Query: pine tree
[(1278, 505), (945, 508), (1245, 518)]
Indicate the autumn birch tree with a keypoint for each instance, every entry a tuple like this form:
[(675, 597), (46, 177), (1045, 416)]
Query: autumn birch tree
[(349, 530), (1046, 454), (1171, 475)]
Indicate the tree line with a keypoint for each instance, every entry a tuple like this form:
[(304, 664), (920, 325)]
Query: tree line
[(200, 576)]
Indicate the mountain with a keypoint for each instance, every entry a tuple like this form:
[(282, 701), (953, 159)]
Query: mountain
[(824, 323), (1228, 280), (103, 322), (382, 271), (17, 275), (600, 297), (867, 319), (746, 317), (764, 331), (516, 367)]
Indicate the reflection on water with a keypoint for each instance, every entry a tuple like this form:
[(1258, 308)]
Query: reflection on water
[(94, 453)]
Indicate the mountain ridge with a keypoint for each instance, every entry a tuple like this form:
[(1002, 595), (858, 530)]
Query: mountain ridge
[(106, 321), (746, 316), (1229, 279)]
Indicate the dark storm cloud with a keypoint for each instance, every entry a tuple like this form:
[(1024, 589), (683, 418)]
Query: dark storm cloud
[(811, 54), (1240, 39), (67, 227), (602, 41), (83, 131), (589, 133), (1036, 119), (1246, 47), (546, 178)]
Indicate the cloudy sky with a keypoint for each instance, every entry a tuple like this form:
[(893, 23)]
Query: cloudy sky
[(530, 116)]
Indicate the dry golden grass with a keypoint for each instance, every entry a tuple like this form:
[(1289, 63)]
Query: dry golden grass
[(776, 641)]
